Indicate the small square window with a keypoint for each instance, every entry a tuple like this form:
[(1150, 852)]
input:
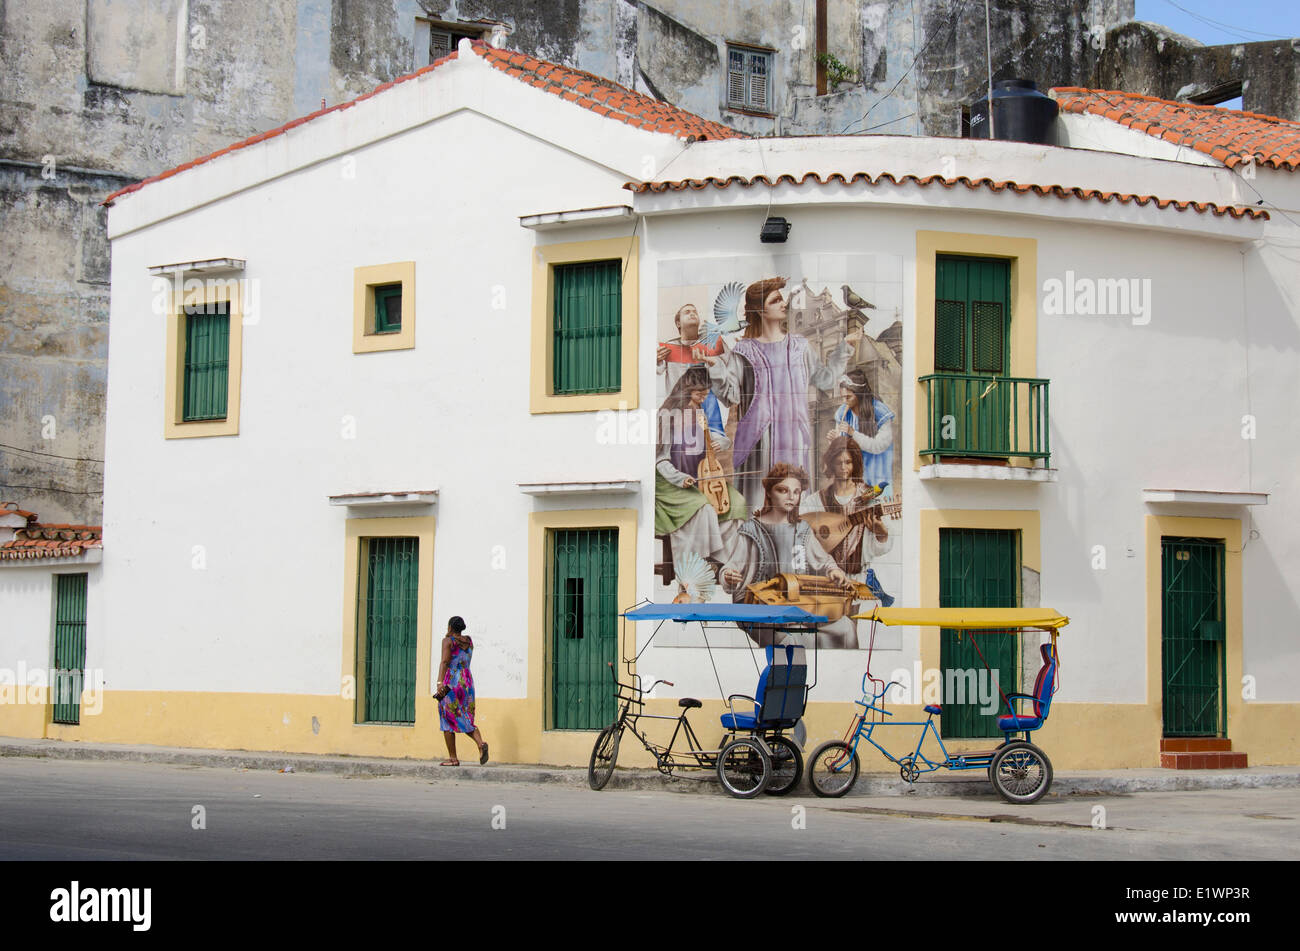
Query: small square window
[(749, 74), (383, 307), (388, 308)]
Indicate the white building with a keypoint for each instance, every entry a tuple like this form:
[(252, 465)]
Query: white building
[(382, 278)]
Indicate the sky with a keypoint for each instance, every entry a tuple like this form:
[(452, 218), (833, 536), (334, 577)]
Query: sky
[(1214, 22)]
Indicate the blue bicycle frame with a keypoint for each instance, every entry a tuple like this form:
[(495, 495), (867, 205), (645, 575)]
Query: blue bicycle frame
[(916, 762)]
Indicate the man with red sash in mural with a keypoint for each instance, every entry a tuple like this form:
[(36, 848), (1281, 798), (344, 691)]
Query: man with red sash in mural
[(688, 347)]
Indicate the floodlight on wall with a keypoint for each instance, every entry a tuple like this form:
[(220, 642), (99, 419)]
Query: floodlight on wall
[(775, 231)]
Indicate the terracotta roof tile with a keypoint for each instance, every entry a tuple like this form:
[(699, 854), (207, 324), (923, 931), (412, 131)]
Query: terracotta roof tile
[(11, 508), (551, 77), (1228, 135), (51, 541), (623, 104), (1059, 191)]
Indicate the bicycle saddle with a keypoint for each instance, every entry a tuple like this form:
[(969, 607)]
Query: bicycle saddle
[(690, 703)]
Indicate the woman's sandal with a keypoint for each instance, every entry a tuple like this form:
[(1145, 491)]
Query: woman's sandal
[(450, 762), (483, 755)]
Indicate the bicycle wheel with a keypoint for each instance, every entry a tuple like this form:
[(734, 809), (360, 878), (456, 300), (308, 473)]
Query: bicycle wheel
[(603, 755), (1021, 772), (832, 769), (787, 766), (744, 768)]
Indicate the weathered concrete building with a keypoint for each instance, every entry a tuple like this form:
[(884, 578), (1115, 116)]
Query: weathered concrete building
[(102, 92)]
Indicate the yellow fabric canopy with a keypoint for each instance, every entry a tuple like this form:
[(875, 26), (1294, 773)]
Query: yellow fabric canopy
[(969, 619)]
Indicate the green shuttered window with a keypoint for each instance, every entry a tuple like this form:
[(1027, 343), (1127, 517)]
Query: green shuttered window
[(583, 592), (391, 570), (971, 345), (69, 647), (588, 328), (207, 361)]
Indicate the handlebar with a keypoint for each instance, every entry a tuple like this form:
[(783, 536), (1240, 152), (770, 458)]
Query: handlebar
[(868, 692), (637, 692)]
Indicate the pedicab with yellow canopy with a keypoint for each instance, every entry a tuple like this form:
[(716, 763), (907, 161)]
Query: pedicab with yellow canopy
[(1018, 770)]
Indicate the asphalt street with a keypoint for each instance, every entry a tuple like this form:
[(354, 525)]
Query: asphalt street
[(87, 810)]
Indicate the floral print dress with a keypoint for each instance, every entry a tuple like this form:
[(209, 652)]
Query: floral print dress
[(456, 710)]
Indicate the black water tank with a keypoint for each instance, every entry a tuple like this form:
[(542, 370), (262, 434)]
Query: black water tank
[(1020, 113)]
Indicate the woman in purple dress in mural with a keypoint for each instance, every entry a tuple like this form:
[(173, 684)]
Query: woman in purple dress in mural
[(768, 373)]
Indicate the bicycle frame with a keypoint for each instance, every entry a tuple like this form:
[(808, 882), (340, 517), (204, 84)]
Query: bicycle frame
[(665, 756), (915, 761)]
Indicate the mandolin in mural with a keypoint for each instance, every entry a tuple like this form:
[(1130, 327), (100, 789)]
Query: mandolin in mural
[(778, 398)]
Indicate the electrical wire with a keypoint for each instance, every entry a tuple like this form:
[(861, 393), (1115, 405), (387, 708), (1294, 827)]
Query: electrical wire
[(1238, 31), (952, 23), (55, 455), (51, 488)]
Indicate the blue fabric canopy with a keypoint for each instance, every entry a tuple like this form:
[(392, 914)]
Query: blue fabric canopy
[(739, 613)]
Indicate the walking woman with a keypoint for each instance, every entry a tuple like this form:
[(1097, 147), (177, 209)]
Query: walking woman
[(456, 692)]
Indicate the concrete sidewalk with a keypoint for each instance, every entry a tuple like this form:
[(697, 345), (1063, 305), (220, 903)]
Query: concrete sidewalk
[(946, 784)]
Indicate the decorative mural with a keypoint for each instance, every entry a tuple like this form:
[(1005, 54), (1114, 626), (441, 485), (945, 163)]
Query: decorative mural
[(777, 468)]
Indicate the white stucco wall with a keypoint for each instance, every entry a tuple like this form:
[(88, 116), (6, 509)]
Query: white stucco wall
[(448, 171), (27, 642), (265, 613), (1133, 406)]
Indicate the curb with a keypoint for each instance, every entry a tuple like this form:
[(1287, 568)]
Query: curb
[(868, 784)]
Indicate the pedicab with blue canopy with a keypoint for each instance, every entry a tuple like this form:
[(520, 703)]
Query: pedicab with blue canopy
[(755, 755), (1019, 770)]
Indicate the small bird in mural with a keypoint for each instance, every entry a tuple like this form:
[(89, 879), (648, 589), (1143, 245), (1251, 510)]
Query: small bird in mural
[(854, 300)]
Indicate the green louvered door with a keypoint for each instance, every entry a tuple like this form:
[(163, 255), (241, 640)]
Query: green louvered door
[(69, 647), (972, 350), (1192, 636), (390, 581), (978, 568), (583, 617), (588, 328), (207, 361)]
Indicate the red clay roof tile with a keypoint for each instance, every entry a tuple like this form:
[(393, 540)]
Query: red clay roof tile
[(51, 541), (1059, 191), (1228, 135), (571, 83)]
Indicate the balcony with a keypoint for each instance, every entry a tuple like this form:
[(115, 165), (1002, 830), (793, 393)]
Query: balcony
[(990, 427)]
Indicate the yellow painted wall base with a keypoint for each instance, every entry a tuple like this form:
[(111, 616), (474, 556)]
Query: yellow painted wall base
[(1079, 736)]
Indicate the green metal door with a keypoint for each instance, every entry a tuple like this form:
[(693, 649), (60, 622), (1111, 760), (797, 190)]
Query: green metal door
[(1192, 632), (69, 647), (978, 568), (390, 580), (583, 619), (972, 350)]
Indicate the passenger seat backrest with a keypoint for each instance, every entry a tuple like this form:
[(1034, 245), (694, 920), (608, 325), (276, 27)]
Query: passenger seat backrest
[(1045, 685), (783, 691)]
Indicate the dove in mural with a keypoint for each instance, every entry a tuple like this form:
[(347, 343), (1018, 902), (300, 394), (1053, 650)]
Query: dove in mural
[(853, 300), (727, 316)]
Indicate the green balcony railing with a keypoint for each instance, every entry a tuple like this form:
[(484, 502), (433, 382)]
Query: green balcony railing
[(996, 417)]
